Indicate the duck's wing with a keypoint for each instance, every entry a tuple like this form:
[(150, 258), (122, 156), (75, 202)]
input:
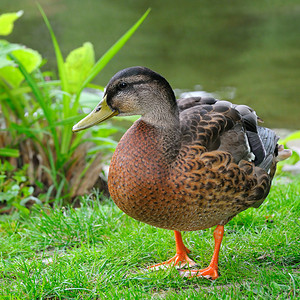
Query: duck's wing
[(225, 141), (224, 126)]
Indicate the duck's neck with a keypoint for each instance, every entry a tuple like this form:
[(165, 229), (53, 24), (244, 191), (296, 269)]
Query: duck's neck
[(167, 124), (162, 119), (162, 111)]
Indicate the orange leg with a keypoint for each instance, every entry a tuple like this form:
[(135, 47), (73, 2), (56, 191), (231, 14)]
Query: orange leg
[(212, 270), (181, 258)]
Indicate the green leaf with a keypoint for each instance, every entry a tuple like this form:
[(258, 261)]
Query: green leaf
[(7, 22), (29, 58), (6, 48), (104, 140), (10, 194), (9, 152), (21, 208), (4, 62), (59, 60), (67, 121), (90, 100), (27, 191), (291, 137), (78, 65)]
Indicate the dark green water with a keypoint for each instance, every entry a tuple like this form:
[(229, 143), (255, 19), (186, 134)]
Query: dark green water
[(245, 49)]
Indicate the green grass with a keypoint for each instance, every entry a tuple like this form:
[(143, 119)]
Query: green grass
[(98, 252)]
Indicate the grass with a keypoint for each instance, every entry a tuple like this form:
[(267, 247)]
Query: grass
[(97, 252)]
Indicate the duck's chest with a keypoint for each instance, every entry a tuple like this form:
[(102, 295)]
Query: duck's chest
[(138, 172)]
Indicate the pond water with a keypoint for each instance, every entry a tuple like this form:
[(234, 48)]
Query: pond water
[(245, 51)]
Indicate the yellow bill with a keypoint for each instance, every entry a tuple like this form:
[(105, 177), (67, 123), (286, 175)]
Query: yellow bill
[(100, 113)]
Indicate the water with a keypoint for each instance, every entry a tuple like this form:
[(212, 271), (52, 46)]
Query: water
[(246, 50)]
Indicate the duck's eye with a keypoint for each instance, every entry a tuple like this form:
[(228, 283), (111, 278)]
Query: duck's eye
[(122, 85)]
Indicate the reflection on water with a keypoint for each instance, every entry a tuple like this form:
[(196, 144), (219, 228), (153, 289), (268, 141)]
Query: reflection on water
[(247, 49)]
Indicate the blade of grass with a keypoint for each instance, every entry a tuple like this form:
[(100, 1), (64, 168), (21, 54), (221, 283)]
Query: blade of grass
[(66, 136), (59, 58), (30, 132), (68, 121), (17, 107), (8, 152), (26, 89)]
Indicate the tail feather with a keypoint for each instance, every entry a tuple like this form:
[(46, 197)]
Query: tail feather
[(268, 138), (269, 141)]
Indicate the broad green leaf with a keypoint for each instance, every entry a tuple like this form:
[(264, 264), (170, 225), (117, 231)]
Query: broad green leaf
[(7, 22), (28, 191), (101, 148), (29, 58), (78, 65)]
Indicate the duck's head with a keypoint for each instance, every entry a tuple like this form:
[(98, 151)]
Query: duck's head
[(135, 91)]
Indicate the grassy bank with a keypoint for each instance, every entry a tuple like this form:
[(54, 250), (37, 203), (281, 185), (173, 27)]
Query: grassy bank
[(97, 251)]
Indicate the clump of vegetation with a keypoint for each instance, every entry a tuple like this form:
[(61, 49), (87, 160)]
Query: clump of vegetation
[(38, 112), (15, 189)]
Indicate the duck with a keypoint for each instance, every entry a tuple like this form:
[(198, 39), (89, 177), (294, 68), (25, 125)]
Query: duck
[(186, 164)]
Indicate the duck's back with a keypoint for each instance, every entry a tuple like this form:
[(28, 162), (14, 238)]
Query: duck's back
[(221, 168)]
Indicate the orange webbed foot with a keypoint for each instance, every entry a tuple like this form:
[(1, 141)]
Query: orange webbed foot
[(209, 273), (181, 258)]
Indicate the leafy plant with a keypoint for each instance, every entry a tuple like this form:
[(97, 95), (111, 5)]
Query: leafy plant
[(15, 189), (39, 112)]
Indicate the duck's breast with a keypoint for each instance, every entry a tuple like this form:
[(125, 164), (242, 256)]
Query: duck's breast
[(138, 174)]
